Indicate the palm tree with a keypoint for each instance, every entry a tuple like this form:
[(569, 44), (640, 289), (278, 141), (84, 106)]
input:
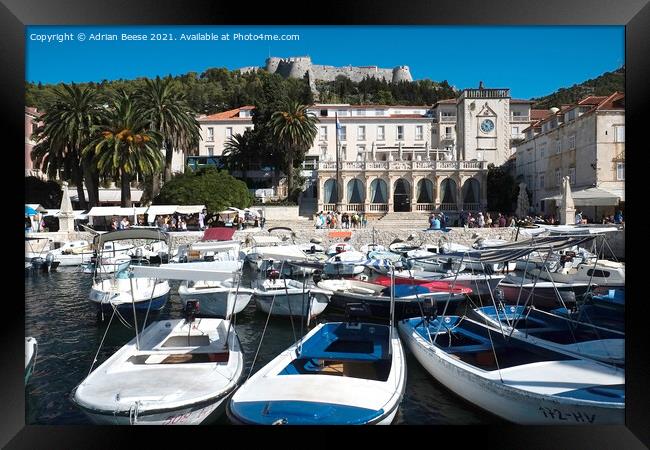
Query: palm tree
[(125, 147), (295, 129), (238, 152), (168, 113), (67, 128)]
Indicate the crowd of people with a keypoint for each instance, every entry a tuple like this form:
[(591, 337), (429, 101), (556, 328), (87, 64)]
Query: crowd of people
[(336, 219), (495, 220)]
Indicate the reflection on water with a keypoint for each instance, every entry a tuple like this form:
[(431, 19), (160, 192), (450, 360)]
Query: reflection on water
[(64, 322)]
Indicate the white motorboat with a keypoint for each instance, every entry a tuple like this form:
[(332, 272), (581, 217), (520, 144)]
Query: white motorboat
[(339, 247), (433, 262), (602, 273), (286, 297), (31, 350), (76, 253), (543, 294), (345, 263), (176, 372), (208, 251), (338, 374), (121, 289), (217, 298), (512, 378), (107, 265)]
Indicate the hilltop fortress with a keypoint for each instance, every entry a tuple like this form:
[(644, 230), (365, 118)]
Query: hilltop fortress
[(298, 66)]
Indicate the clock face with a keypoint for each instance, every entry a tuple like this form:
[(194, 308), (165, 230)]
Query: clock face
[(487, 125)]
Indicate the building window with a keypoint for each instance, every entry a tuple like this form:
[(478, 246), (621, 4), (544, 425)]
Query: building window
[(419, 133), (361, 112), (557, 177), (228, 132), (361, 133), (380, 133), (541, 181), (323, 112), (542, 150), (344, 151), (572, 176), (361, 152), (400, 132), (323, 152), (343, 134), (379, 112), (515, 131), (210, 151), (620, 171), (342, 113), (210, 134), (572, 142), (619, 133), (323, 133), (558, 147), (434, 131), (244, 113)]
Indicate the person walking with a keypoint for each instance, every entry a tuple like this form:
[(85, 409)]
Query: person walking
[(443, 221), (435, 224), (502, 220), (488, 220), (202, 219), (618, 217), (481, 220)]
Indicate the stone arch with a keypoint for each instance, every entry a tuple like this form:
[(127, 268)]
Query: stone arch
[(448, 191), (425, 191), (471, 191), (402, 195), (378, 191), (355, 191), (330, 191)]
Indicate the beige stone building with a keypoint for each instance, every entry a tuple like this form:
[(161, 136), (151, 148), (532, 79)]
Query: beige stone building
[(586, 142)]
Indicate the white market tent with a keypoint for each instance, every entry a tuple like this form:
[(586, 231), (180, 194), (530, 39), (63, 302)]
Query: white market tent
[(189, 209), (593, 197), (78, 213), (99, 211), (164, 210)]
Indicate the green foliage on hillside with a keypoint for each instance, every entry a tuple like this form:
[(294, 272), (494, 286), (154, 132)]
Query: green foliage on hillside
[(380, 92), (605, 84), (215, 189)]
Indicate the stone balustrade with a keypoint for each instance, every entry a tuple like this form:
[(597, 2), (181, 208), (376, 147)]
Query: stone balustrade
[(403, 165)]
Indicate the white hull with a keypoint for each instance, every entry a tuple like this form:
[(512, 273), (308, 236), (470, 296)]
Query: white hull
[(181, 373), (583, 274), (295, 304), (118, 291), (512, 404), (183, 416), (216, 301)]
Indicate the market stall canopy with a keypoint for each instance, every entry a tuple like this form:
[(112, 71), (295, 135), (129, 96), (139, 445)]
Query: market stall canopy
[(99, 211), (79, 214), (29, 211), (190, 209), (35, 206), (161, 210), (593, 197), (120, 235)]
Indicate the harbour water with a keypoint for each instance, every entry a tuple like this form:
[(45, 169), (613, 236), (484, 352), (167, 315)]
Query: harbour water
[(64, 322)]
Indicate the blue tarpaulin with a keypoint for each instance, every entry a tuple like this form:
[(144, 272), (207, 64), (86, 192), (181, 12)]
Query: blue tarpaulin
[(29, 211)]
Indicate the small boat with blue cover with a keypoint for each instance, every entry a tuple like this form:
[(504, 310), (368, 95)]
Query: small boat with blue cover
[(513, 378), (605, 309), (340, 373)]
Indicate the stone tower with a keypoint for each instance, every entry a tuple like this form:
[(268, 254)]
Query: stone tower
[(402, 73), (272, 64)]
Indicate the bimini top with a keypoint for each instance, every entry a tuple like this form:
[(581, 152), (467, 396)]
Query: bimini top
[(516, 250), (135, 233)]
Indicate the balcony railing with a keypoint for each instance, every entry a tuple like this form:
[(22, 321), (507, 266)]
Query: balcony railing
[(378, 207), (519, 118), (472, 207), (425, 207), (447, 137), (403, 165), (448, 207), (448, 119)]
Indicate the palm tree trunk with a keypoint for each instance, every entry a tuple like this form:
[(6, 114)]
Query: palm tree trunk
[(290, 178), (77, 177), (126, 190), (169, 154), (92, 183)]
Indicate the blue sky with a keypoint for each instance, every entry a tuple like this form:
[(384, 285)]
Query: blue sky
[(532, 61)]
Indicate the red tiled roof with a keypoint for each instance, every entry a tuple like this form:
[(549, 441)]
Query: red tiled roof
[(614, 101), (447, 100), (518, 100), (227, 115), (592, 100), (539, 114)]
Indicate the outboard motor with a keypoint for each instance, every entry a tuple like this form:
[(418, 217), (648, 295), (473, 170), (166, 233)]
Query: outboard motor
[(191, 309), (339, 248), (354, 312), (312, 250), (317, 275), (49, 260), (430, 310)]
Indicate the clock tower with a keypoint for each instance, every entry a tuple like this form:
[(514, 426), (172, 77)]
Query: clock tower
[(483, 124)]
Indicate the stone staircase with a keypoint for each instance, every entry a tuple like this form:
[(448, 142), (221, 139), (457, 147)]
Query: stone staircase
[(402, 221)]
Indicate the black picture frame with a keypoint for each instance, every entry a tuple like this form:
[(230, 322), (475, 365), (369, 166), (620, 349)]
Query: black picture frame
[(633, 14)]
